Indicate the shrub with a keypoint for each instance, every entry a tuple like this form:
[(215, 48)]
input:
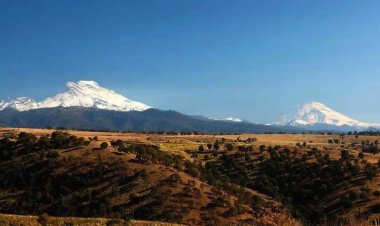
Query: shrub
[(174, 178), (262, 148), (68, 223), (104, 145), (43, 219), (192, 171), (352, 196), (229, 147), (52, 154)]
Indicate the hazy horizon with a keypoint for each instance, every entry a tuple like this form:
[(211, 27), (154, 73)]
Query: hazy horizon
[(254, 60)]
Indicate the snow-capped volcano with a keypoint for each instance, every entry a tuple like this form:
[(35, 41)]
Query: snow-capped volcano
[(315, 113), (81, 94)]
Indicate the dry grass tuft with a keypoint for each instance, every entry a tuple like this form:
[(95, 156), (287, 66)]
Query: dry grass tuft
[(270, 218), (350, 221)]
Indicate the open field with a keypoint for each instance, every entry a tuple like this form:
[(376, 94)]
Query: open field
[(180, 143)]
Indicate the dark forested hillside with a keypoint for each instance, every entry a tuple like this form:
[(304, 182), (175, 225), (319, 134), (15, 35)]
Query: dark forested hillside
[(313, 186), (149, 120)]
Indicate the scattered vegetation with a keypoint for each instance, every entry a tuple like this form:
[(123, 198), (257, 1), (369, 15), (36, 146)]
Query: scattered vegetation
[(317, 179)]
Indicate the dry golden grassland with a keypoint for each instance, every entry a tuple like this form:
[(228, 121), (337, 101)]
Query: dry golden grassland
[(180, 143), (20, 220)]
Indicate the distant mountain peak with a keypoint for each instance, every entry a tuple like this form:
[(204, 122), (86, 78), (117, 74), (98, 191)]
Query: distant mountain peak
[(79, 94), (313, 112)]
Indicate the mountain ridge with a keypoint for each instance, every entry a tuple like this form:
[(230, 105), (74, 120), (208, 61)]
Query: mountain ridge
[(151, 120)]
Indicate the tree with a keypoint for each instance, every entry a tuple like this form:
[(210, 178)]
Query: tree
[(216, 146), (373, 149), (229, 147), (60, 139), (104, 145), (193, 171), (117, 143), (344, 155), (207, 157), (352, 195), (262, 148), (242, 149), (27, 139), (43, 219), (174, 178), (52, 154)]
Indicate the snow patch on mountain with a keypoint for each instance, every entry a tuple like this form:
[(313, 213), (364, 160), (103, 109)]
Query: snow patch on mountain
[(233, 119), (81, 94), (313, 113), (230, 119), (19, 104)]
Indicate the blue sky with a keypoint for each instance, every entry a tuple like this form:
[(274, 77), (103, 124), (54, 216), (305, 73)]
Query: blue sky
[(250, 59)]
